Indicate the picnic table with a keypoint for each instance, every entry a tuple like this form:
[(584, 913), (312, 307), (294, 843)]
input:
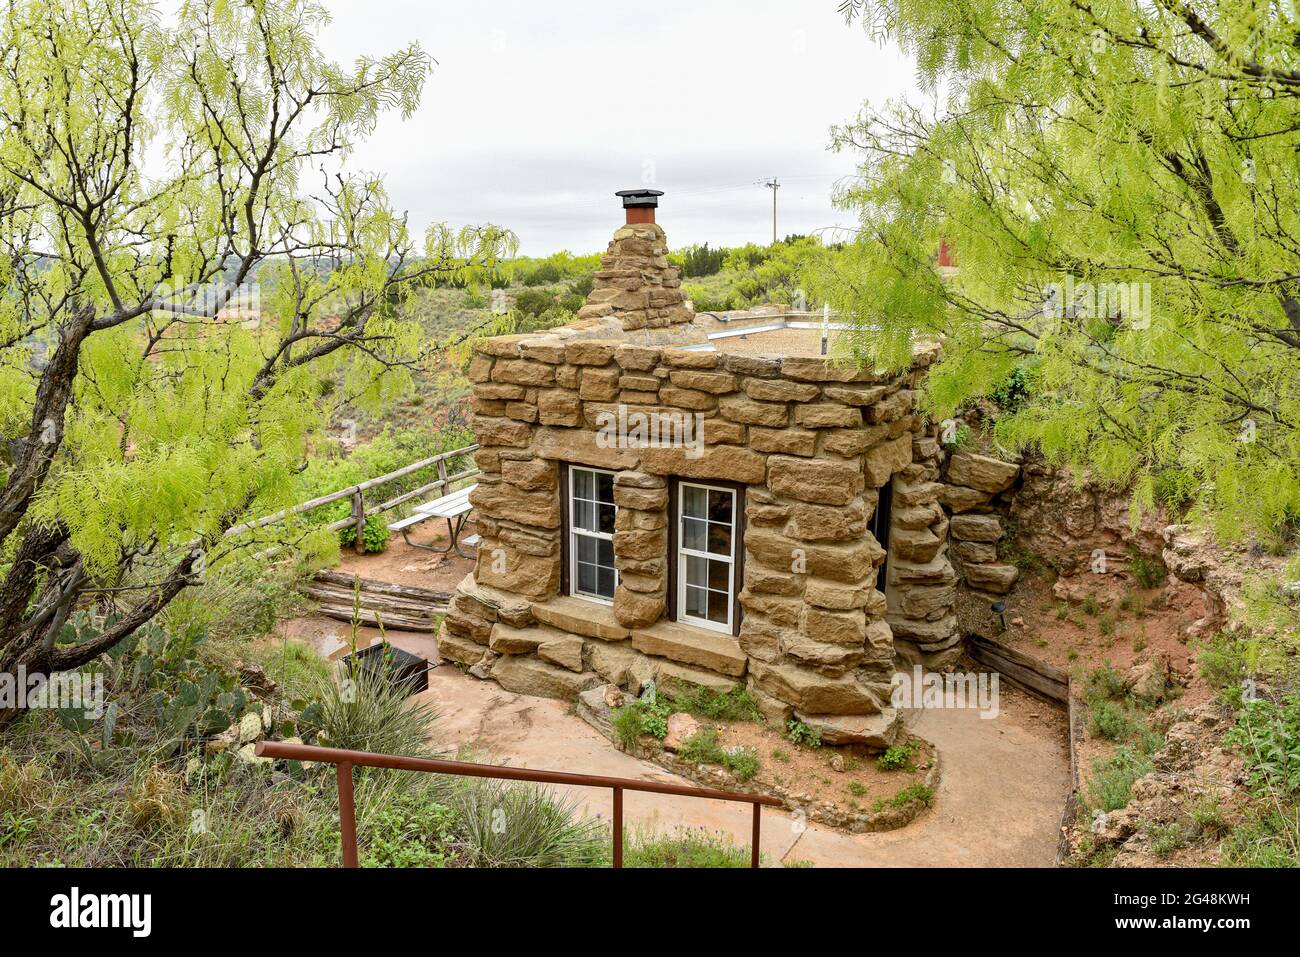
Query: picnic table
[(454, 508)]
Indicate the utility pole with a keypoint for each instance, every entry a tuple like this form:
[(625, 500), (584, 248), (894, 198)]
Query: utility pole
[(773, 185)]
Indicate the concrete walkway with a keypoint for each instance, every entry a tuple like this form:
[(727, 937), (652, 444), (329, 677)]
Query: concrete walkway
[(999, 802)]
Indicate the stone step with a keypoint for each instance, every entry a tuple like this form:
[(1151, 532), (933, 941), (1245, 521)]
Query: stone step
[(691, 646)]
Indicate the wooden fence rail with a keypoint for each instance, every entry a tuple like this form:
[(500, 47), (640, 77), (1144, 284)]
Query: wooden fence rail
[(356, 493)]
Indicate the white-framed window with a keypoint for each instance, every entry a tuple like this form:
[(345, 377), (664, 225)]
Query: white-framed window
[(591, 534), (706, 555)]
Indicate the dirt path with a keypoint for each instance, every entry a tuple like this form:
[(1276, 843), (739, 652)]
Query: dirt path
[(999, 802)]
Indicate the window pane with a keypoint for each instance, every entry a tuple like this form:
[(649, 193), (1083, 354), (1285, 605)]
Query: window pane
[(604, 552), (720, 576), (582, 484), (697, 602), (720, 506), (693, 534), (586, 578), (694, 501), (719, 539), (606, 578), (584, 515), (606, 519), (584, 548), (696, 571), (604, 487), (718, 602)]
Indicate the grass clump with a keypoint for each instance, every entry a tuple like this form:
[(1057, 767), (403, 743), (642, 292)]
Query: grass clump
[(1267, 734), (1110, 785), (898, 757), (638, 719), (703, 748), (913, 792)]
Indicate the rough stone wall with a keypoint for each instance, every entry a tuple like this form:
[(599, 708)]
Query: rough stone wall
[(977, 495), (811, 442), (921, 585)]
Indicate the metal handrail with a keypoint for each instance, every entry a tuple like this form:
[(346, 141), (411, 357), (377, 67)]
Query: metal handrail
[(345, 760)]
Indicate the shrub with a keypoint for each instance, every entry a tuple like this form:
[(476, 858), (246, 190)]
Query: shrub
[(363, 712), (1268, 736), (742, 762), (1224, 663), (803, 735), (685, 848), (701, 261), (1111, 720), (642, 718), (1148, 572), (734, 705), (897, 757), (1014, 390), (702, 747), (514, 825), (411, 831), (374, 538), (1104, 682), (1111, 783)]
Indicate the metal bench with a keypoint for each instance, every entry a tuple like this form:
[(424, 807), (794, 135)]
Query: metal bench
[(454, 507)]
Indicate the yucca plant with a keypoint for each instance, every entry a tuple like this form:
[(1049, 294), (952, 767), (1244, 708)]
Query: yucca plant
[(524, 825)]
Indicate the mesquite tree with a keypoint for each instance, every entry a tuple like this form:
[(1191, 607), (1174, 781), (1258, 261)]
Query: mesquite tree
[(154, 175), (1118, 184)]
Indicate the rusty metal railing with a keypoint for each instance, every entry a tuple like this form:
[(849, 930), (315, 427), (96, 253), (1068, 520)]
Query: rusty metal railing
[(345, 761)]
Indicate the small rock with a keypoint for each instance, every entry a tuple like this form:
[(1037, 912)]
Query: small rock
[(613, 696), (680, 727), (225, 741), (256, 680), (1017, 622), (483, 669), (837, 763)]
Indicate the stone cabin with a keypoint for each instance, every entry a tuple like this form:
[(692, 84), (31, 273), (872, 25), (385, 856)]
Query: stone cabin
[(736, 511)]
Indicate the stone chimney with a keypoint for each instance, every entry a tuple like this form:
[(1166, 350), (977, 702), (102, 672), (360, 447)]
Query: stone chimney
[(636, 284)]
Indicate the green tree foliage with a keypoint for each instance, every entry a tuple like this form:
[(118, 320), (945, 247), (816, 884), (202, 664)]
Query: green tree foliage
[(1088, 156), (144, 160)]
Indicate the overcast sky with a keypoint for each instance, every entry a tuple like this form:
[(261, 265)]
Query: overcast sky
[(537, 111)]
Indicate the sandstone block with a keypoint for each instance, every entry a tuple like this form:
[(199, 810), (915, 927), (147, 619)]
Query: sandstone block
[(885, 459), (749, 412), (826, 415), (783, 441), (977, 528), (691, 646), (981, 472), (526, 675), (780, 390), (814, 480)]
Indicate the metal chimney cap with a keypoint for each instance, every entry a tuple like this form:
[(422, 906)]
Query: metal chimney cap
[(640, 197)]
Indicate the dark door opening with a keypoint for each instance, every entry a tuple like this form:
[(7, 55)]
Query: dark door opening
[(879, 528)]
